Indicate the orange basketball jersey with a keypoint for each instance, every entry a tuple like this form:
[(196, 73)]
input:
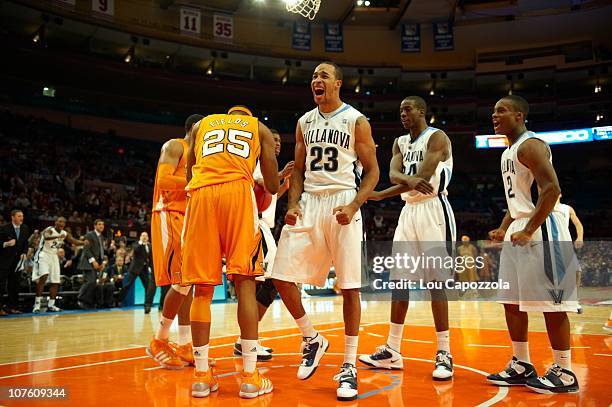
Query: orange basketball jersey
[(175, 200), (227, 149)]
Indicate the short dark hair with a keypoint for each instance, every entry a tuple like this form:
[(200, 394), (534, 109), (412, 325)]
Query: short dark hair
[(191, 120), (274, 131), (15, 212), (419, 102), (60, 218), (98, 221), (337, 70), (519, 103)]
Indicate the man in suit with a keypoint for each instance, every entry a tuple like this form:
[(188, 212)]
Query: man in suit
[(111, 280), (91, 262), (141, 267), (13, 248)]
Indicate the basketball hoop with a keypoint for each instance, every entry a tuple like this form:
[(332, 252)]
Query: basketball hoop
[(307, 8)]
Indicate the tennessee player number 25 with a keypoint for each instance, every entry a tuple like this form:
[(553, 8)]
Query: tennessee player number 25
[(236, 142)]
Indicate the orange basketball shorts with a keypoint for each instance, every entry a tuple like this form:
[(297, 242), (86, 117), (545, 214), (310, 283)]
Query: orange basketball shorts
[(166, 228), (221, 220)]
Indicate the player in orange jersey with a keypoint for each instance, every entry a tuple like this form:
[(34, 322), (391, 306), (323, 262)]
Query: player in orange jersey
[(221, 220), (169, 203)]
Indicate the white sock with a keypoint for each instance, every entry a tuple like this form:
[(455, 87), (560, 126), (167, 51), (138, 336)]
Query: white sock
[(306, 327), (51, 302), (443, 340), (249, 355), (394, 341), (163, 329), (37, 301), (350, 349), (239, 341), (200, 354), (520, 350), (184, 336), (563, 358)]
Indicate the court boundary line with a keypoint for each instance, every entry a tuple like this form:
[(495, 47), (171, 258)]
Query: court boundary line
[(146, 356), (135, 346)]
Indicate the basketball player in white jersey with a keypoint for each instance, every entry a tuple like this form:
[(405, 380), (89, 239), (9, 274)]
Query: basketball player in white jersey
[(266, 292), (324, 225), (421, 166), (569, 214), (533, 255), (46, 262)]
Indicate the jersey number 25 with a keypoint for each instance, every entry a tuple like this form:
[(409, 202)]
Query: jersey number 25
[(237, 145)]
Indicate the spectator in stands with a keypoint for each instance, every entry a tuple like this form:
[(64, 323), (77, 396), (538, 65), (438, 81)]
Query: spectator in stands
[(14, 247), (116, 272), (90, 264), (106, 287)]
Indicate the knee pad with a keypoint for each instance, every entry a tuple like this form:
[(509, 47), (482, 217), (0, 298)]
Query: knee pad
[(200, 307), (182, 290), (266, 293)]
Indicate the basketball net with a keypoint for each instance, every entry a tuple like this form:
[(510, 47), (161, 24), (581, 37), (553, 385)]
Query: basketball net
[(307, 8)]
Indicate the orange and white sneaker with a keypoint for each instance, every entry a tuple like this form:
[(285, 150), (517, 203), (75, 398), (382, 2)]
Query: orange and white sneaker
[(254, 384), (164, 354), (608, 327), (204, 383), (185, 352)]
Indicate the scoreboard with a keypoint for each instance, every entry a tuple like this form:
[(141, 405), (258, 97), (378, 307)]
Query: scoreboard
[(551, 137)]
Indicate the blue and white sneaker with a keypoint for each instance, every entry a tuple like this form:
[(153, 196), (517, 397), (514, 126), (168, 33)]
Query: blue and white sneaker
[(384, 358), (312, 350), (556, 381), (347, 383), (516, 374)]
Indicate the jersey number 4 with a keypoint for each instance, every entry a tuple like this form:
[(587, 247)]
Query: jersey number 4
[(237, 142), (331, 156)]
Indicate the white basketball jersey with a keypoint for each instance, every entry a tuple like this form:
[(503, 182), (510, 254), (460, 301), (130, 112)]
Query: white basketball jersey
[(413, 154), (331, 160), (565, 211), (518, 179), (270, 212), (52, 245)]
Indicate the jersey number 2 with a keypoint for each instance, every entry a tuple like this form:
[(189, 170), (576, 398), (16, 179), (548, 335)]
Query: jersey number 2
[(237, 145), (332, 159), (510, 193)]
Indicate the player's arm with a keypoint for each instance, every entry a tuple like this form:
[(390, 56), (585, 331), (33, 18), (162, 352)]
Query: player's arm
[(499, 233), (170, 156), (284, 187), (191, 157), (70, 239), (297, 184), (49, 235), (436, 150), (534, 154), (366, 151), (578, 225), (297, 178), (267, 160)]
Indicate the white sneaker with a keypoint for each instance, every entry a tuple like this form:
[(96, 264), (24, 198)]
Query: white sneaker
[(53, 308), (262, 353), (36, 308), (347, 383), (313, 350), (444, 366), (384, 358)]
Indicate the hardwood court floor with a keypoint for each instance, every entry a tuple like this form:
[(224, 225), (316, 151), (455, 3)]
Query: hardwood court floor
[(100, 359)]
